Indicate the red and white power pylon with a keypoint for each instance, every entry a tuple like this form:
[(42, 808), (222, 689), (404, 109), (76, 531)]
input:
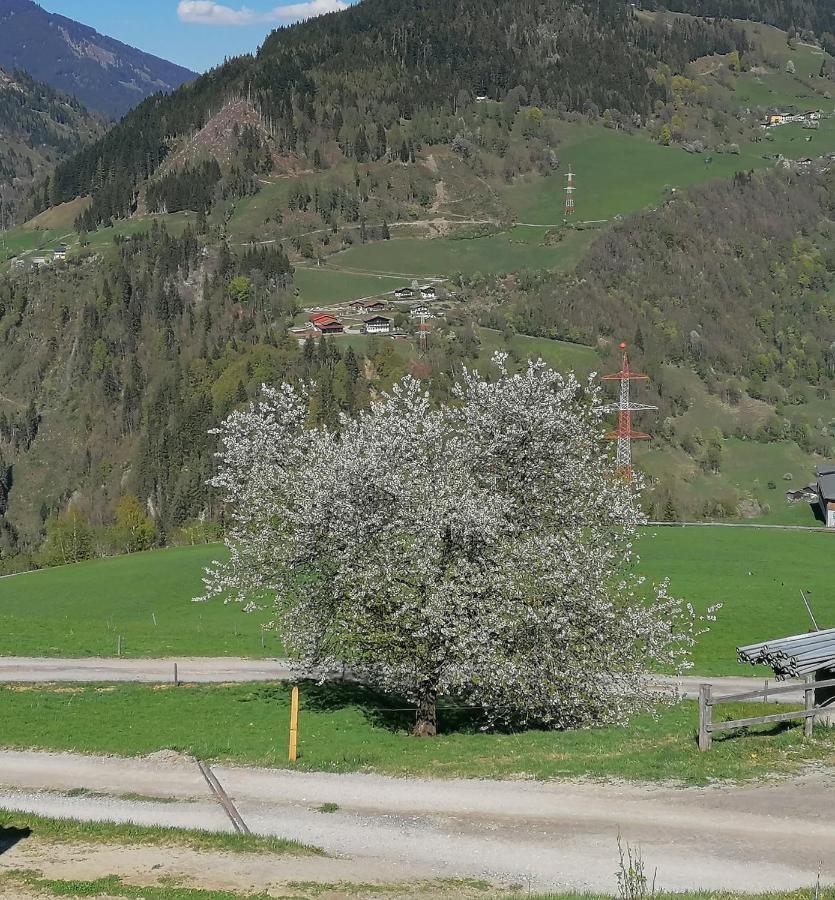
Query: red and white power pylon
[(424, 334), (569, 194), (625, 408)]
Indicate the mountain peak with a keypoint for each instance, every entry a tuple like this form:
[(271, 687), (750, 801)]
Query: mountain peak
[(105, 74)]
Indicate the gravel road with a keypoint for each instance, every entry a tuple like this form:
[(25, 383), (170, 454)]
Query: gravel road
[(34, 670), (550, 836)]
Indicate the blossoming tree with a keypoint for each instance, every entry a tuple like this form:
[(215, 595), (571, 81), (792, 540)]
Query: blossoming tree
[(481, 549)]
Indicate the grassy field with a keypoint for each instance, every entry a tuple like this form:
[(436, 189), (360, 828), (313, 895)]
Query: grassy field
[(756, 574), (348, 728), (81, 610)]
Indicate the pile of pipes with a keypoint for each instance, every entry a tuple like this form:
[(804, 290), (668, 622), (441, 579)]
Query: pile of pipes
[(793, 657)]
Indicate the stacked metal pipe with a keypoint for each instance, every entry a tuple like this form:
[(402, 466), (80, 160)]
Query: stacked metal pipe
[(792, 657)]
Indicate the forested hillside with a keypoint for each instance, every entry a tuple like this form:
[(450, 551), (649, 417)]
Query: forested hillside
[(38, 128), (815, 16), (355, 77)]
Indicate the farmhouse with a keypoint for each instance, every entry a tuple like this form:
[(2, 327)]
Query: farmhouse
[(786, 118), (326, 324), (820, 494), (421, 312), (378, 325), (428, 293), (368, 306), (404, 293), (59, 253)]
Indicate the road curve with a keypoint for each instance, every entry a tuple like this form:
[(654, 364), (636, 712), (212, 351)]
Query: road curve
[(551, 836)]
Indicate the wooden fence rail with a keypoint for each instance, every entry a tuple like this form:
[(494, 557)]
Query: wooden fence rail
[(707, 727)]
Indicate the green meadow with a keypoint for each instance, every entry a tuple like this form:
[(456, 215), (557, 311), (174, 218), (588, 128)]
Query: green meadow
[(81, 610), (145, 598), (349, 728)]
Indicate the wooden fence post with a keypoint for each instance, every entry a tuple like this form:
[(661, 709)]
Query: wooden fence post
[(809, 721), (705, 717), (294, 724)]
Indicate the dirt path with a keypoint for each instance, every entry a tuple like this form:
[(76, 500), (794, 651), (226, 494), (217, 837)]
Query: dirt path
[(555, 835), (221, 670)]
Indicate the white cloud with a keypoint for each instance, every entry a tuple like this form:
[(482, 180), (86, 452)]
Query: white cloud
[(207, 12)]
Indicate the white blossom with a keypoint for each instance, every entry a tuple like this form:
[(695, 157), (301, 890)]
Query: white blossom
[(481, 549)]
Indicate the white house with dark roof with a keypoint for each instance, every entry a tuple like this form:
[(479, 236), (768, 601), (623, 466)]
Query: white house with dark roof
[(820, 494)]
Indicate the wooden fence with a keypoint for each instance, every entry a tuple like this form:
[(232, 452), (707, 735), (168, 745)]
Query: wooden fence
[(707, 727)]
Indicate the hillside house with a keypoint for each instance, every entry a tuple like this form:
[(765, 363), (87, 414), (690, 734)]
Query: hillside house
[(404, 293), (820, 494), (378, 325), (421, 312), (368, 306), (59, 253), (326, 324), (428, 293)]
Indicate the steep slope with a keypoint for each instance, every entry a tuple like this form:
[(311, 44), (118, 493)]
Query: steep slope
[(106, 75), (817, 16), (354, 76), (38, 128)]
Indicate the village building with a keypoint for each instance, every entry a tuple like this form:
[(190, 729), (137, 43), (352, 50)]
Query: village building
[(59, 253), (428, 293), (326, 324), (378, 325), (368, 306), (820, 494), (421, 312), (404, 293)]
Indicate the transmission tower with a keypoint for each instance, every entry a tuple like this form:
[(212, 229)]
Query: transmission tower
[(424, 334), (569, 194), (625, 408)]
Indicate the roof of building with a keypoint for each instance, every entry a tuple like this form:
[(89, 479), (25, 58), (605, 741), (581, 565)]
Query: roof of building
[(826, 480), (378, 320)]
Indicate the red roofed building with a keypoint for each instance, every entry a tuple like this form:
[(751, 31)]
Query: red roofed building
[(326, 324)]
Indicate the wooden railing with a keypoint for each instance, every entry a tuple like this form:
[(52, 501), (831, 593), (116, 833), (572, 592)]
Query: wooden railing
[(707, 727)]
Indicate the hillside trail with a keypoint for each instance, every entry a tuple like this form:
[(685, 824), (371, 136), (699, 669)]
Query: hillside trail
[(544, 835)]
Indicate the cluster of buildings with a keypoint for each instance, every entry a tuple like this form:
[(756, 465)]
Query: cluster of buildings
[(785, 118), (375, 323), (58, 254)]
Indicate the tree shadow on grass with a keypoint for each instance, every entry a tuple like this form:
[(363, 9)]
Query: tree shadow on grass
[(388, 711), (10, 837)]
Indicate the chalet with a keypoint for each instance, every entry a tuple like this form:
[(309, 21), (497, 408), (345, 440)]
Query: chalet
[(59, 253), (421, 312), (326, 324), (820, 494), (378, 325), (404, 294), (428, 293), (786, 118), (368, 306)]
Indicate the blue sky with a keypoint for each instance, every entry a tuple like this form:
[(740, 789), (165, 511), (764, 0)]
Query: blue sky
[(194, 33)]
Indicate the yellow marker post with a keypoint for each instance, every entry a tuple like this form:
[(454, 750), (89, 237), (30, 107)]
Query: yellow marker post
[(294, 724)]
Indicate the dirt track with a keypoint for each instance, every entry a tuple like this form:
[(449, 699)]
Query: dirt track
[(231, 669), (555, 835)]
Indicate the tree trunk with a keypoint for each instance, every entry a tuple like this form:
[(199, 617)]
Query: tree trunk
[(426, 724)]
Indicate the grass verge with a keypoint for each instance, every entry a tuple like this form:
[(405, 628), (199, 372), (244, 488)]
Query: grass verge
[(348, 728), (113, 886), (16, 826)]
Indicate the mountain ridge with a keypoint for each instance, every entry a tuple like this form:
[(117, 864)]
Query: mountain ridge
[(107, 75)]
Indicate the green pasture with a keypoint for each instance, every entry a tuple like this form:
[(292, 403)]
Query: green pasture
[(349, 728), (81, 610), (146, 598), (328, 285), (756, 574), (560, 355)]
